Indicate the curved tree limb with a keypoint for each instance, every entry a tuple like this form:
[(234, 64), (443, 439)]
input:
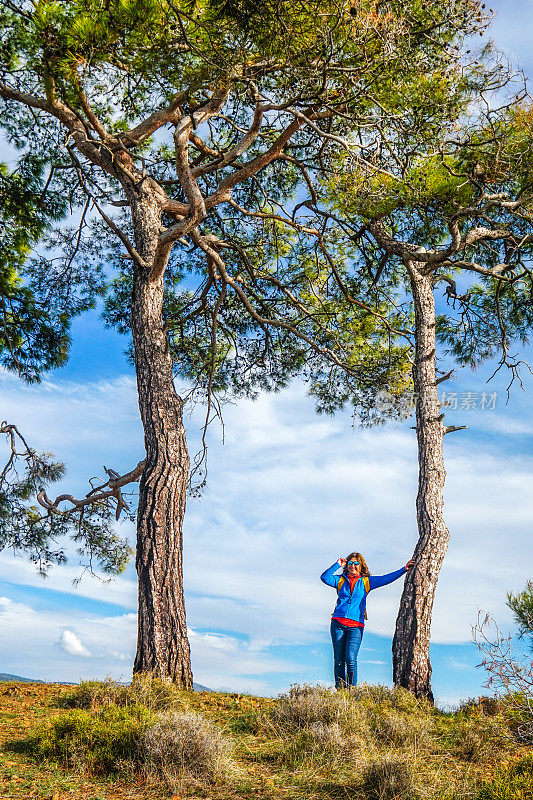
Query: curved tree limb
[(96, 495)]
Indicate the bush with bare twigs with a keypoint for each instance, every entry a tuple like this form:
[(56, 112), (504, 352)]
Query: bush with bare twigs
[(510, 674), (187, 745), (304, 706)]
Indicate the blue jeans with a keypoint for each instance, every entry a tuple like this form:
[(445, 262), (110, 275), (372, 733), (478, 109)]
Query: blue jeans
[(346, 644)]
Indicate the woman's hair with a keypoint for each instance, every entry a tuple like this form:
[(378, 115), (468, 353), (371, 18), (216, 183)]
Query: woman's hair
[(362, 562)]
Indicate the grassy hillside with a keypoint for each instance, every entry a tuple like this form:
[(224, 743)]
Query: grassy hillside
[(102, 740)]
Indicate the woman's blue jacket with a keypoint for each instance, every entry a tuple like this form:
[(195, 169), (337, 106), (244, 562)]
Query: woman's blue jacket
[(352, 605)]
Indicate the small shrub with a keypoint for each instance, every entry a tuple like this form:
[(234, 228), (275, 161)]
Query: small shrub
[(304, 706), (179, 745), (517, 709), (327, 737), (387, 779), (510, 672), (307, 705), (144, 689), (394, 716), (321, 724), (512, 782), (314, 725), (155, 693), (94, 694), (97, 742), (318, 744), (396, 698)]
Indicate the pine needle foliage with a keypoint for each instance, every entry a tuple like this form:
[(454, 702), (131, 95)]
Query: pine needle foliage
[(521, 604)]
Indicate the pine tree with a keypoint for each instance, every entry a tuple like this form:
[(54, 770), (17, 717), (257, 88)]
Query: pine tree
[(454, 210), (521, 604)]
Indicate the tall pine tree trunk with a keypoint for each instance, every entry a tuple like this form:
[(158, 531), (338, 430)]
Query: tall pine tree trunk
[(411, 663), (162, 643)]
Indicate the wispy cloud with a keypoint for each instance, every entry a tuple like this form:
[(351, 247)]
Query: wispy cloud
[(226, 662)]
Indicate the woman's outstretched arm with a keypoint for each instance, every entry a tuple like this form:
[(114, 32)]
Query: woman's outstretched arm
[(328, 577), (382, 580)]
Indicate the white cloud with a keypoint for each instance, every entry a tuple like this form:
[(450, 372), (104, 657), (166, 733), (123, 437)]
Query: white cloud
[(497, 423), (71, 644), (454, 663), (273, 518), (26, 631), (220, 661)]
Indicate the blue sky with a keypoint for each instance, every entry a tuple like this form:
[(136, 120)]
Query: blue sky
[(288, 492)]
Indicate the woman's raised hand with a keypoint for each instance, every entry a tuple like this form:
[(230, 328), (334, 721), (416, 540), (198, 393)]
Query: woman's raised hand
[(409, 564), (341, 562)]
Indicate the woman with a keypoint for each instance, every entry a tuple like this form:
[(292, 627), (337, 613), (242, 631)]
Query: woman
[(349, 614)]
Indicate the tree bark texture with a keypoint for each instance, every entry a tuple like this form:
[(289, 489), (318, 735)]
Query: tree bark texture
[(162, 643), (410, 648)]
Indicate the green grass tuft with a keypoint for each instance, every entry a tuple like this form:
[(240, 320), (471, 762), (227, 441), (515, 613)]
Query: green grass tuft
[(137, 730), (144, 689), (474, 737), (100, 742)]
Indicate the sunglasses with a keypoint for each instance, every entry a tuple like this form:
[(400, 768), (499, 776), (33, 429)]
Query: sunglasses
[(355, 563)]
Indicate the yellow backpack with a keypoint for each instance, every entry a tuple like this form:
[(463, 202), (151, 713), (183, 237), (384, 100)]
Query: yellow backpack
[(366, 584)]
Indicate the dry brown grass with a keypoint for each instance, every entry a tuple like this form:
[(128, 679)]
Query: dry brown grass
[(387, 778)]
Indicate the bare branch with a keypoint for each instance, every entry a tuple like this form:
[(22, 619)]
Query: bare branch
[(452, 428), (114, 227), (97, 495), (509, 673), (444, 377)]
